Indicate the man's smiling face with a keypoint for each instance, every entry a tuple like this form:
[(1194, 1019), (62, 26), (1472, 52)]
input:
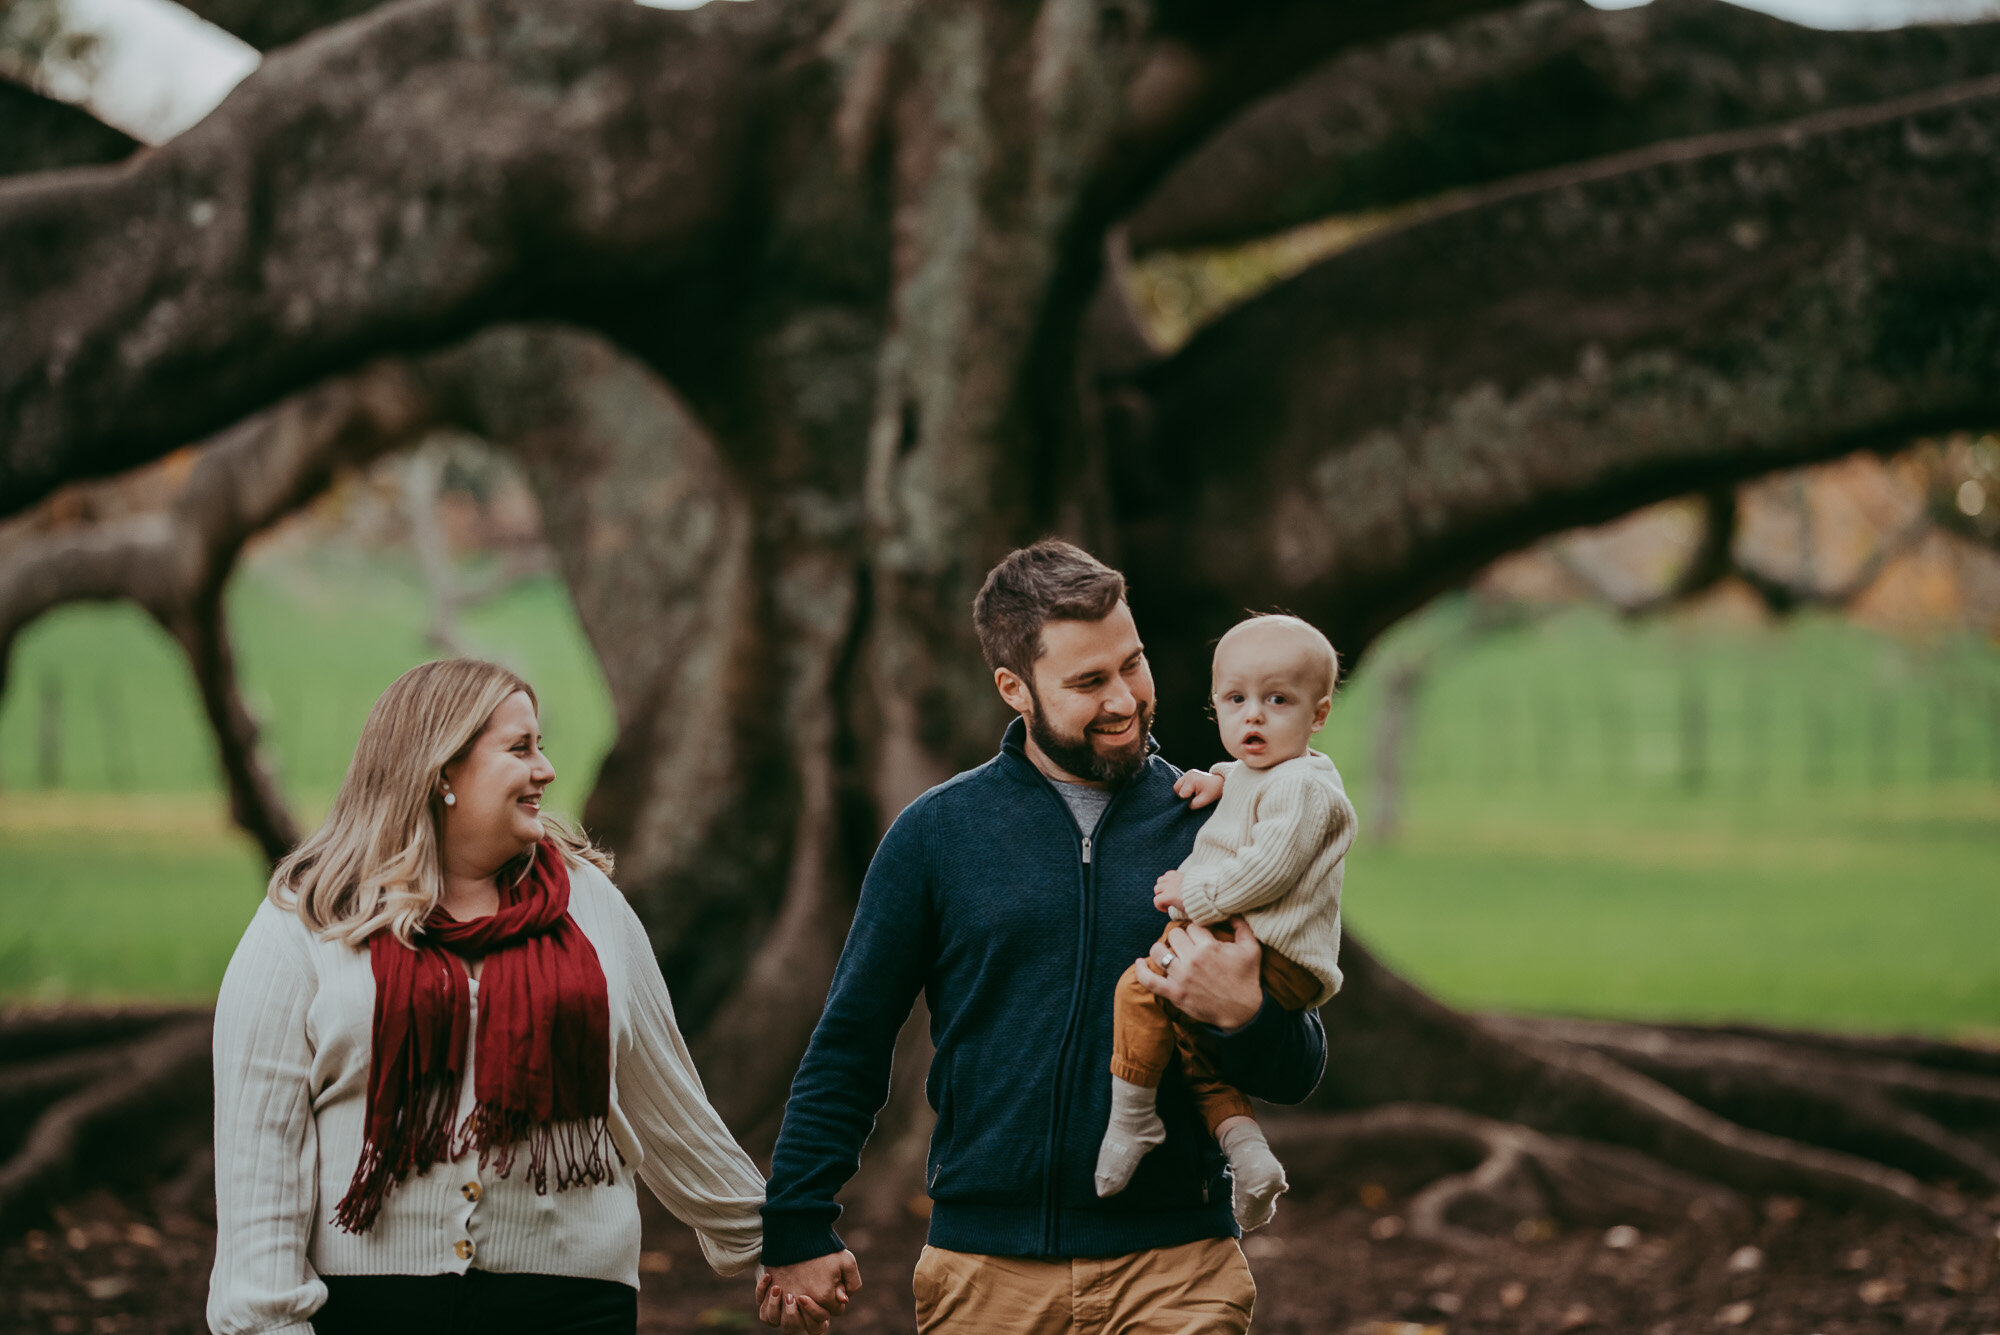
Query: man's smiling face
[(1090, 704)]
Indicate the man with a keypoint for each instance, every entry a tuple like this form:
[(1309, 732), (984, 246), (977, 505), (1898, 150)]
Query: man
[(1015, 895)]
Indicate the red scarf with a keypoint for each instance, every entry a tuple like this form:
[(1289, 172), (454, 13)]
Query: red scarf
[(544, 1057)]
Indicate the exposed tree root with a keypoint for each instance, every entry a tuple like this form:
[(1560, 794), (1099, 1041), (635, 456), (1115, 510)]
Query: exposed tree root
[(1894, 1111), (1515, 1172), (1391, 1043), (33, 1085), (117, 1099), (1695, 1138), (1933, 1054), (25, 1035)]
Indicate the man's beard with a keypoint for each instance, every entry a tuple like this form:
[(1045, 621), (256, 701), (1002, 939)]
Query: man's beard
[(1079, 756)]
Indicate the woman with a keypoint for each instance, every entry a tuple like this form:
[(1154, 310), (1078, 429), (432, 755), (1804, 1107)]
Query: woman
[(443, 1050)]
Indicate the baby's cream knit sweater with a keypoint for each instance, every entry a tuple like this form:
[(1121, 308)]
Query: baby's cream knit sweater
[(1272, 852)]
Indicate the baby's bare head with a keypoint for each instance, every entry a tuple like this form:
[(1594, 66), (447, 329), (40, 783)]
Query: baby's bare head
[(1276, 642), (1273, 680)]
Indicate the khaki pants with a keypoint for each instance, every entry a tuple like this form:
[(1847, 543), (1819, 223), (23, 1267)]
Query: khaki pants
[(1146, 1031), (1199, 1288)]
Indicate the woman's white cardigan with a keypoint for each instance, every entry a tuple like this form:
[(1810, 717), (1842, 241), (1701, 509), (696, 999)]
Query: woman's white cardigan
[(292, 1030)]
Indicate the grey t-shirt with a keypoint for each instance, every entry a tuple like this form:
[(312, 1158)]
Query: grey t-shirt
[(1085, 803)]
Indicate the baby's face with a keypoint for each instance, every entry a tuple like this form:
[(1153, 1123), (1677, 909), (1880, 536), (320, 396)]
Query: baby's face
[(1268, 701)]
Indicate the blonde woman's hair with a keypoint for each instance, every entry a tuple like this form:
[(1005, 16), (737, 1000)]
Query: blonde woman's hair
[(376, 861)]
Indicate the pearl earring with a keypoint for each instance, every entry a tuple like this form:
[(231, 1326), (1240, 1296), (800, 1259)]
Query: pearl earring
[(451, 799)]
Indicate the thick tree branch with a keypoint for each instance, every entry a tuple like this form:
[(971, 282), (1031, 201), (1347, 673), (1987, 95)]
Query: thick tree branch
[(1712, 561), (38, 134), (1547, 83), (267, 24), (1715, 558), (254, 800), (1564, 349), (174, 558), (1785, 593), (1204, 62), (385, 183)]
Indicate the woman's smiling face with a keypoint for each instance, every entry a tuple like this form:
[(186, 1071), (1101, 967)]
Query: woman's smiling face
[(498, 785)]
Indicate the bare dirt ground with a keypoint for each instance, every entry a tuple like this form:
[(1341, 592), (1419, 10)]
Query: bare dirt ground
[(1336, 1260)]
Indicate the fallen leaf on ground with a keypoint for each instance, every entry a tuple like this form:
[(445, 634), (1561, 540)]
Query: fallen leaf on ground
[(1535, 1230), (1783, 1209), (1577, 1316), (1877, 1291)]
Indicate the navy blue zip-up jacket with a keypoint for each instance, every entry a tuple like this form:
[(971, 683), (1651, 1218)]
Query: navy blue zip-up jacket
[(1016, 926)]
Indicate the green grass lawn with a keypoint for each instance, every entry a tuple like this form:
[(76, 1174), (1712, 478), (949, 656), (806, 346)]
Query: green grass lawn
[(121, 898), (1859, 914), (1797, 825)]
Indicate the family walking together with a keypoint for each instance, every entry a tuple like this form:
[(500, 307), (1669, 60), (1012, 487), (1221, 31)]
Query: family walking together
[(445, 1054)]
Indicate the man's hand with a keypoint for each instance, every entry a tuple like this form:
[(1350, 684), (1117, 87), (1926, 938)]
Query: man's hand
[(1209, 979), (1167, 894), (1200, 788), (803, 1299)]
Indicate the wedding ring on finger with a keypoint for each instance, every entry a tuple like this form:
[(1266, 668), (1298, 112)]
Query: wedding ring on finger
[(1167, 958)]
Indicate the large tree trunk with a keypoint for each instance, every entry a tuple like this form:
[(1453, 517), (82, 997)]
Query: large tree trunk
[(783, 308)]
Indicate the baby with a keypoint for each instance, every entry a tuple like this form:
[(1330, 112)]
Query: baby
[(1271, 852)]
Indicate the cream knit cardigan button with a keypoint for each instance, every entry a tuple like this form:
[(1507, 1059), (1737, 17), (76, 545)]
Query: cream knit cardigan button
[(292, 1028)]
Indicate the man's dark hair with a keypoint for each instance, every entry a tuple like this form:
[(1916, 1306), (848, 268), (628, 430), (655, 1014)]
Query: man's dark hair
[(1050, 581)]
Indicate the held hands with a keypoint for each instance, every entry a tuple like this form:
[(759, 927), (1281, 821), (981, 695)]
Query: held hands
[(1200, 788), (1167, 894), (1209, 979), (803, 1299)]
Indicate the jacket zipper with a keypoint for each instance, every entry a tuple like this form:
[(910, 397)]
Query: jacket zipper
[(1058, 1123)]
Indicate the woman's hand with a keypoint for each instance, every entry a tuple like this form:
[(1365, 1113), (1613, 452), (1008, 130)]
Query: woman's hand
[(803, 1299)]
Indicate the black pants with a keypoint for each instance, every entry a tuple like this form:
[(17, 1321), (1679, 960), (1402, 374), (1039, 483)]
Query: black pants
[(476, 1303)]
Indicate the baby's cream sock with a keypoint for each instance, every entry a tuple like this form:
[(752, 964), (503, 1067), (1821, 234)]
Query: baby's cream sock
[(1258, 1178), (1134, 1129)]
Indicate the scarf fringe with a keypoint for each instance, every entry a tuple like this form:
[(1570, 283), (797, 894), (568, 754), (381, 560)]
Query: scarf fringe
[(423, 1135), (581, 1151)]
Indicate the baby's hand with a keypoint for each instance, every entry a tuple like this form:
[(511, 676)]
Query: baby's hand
[(1200, 788), (1167, 893)]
